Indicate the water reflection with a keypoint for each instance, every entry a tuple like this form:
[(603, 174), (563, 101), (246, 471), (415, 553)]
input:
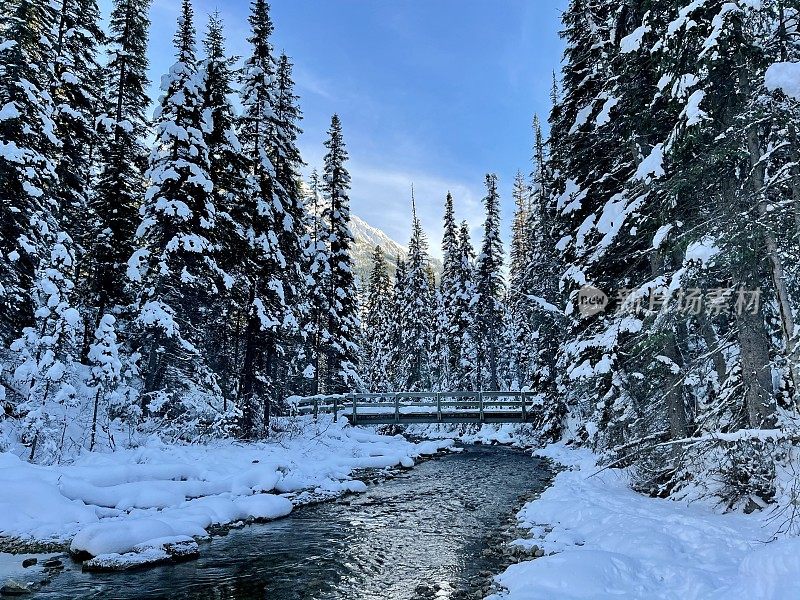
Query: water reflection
[(421, 534)]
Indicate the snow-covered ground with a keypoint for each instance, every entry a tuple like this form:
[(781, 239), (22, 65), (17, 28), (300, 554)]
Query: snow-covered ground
[(139, 504), (608, 541)]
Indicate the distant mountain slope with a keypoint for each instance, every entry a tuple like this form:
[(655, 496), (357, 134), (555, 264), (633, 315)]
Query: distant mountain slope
[(367, 237)]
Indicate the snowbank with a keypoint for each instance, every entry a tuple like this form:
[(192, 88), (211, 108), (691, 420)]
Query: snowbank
[(607, 541), (784, 76), (146, 500), (515, 434)]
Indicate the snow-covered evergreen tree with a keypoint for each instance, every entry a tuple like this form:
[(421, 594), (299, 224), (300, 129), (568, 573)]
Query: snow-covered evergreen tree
[(175, 267), (446, 343), (316, 263), (266, 310), (417, 314), (28, 144), (343, 323), (291, 221), (114, 397), (490, 293), (519, 330), (77, 92), (45, 380), (121, 156), (377, 324), (228, 172), (464, 313)]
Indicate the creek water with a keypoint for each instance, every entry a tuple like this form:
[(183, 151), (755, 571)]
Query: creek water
[(421, 534)]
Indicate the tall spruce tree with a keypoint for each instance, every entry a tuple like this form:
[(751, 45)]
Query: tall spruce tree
[(343, 323), (539, 284), (490, 292), (317, 263), (266, 311), (397, 365), (77, 92), (27, 170), (228, 172), (464, 314), (175, 267), (122, 156), (521, 334), (290, 220), (378, 326), (417, 313), (447, 344)]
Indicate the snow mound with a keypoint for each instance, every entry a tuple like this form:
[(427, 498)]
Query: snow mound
[(784, 76)]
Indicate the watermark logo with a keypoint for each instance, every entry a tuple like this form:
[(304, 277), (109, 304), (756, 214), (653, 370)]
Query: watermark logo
[(687, 301), (591, 301)]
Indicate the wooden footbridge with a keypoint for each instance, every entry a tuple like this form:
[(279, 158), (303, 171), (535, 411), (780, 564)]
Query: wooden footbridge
[(421, 407)]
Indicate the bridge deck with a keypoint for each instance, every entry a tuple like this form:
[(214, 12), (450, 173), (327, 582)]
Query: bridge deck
[(420, 407), (452, 417)]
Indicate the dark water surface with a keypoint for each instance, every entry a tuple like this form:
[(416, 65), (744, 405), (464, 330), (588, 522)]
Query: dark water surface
[(428, 527)]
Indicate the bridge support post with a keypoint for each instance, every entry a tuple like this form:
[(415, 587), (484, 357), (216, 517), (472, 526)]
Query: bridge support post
[(355, 405), (335, 409), (439, 407), (316, 407), (396, 408), (480, 404), (524, 416)]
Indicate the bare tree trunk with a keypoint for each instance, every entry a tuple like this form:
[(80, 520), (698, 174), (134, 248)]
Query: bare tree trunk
[(94, 420), (756, 372), (776, 266), (676, 406)]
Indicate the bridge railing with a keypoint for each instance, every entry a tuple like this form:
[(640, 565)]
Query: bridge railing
[(396, 404)]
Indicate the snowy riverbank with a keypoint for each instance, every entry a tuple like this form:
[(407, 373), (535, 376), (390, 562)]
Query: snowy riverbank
[(147, 503), (603, 540), (506, 434)]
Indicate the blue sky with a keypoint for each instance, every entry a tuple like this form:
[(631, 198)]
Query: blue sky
[(434, 92)]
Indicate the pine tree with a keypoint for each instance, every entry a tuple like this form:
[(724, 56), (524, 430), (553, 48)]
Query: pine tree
[(228, 172), (262, 217), (175, 268), (520, 333), (316, 262), (464, 311), (290, 218), (378, 326), (490, 290), (343, 324), (122, 155), (446, 343), (77, 91), (27, 171), (417, 313)]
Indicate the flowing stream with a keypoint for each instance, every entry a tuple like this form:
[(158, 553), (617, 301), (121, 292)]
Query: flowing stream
[(421, 534)]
